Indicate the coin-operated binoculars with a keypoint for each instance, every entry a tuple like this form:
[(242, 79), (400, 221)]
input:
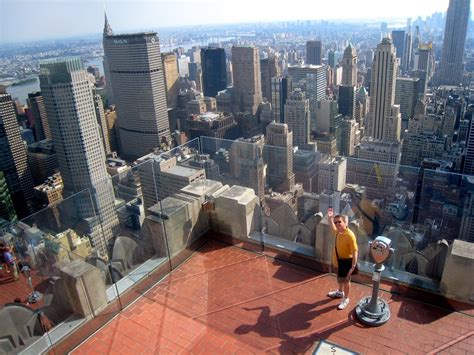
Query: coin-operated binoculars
[(373, 310)]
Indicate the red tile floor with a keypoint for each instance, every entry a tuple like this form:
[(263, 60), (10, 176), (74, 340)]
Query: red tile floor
[(226, 300), (11, 289)]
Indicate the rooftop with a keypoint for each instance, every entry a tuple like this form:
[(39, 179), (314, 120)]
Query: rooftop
[(228, 300)]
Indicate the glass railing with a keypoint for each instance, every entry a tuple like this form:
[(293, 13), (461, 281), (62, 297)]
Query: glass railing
[(81, 261)]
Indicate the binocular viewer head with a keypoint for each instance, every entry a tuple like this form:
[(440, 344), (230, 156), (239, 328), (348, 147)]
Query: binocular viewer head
[(380, 249)]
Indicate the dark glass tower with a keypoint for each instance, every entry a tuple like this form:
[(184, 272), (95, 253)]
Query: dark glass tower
[(13, 159), (7, 211), (398, 38), (214, 75), (314, 52)]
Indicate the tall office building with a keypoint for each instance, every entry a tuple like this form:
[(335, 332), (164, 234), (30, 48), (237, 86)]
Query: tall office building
[(247, 94), (7, 211), (282, 86), (136, 75), (170, 70), (451, 66), (399, 38), (415, 45), (468, 168), (425, 59), (69, 102), (349, 67), (108, 81), (383, 121), (346, 100), (407, 92), (314, 52), (269, 69), (102, 122), (279, 157), (195, 74), (297, 117), (466, 231), (214, 71), (183, 66), (347, 90), (13, 159), (315, 85), (407, 52), (424, 66), (350, 137), (332, 61), (327, 116), (42, 160), (246, 164), (36, 104), (331, 174)]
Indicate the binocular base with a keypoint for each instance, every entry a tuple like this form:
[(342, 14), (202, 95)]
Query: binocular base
[(372, 315)]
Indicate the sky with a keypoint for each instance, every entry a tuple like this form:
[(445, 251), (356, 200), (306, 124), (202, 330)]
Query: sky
[(28, 20)]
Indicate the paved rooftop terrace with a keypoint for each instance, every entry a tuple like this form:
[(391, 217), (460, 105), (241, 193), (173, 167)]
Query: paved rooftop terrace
[(225, 300)]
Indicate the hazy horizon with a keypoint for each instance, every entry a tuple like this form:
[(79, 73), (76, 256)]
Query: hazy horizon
[(30, 20)]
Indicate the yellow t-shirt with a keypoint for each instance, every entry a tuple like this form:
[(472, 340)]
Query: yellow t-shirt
[(346, 244)]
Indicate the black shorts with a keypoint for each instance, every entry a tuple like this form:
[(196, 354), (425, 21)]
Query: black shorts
[(343, 267)]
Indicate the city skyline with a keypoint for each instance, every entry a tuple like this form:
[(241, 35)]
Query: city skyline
[(147, 15)]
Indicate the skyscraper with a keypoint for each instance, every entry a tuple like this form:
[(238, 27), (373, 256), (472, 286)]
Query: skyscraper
[(269, 69), (407, 91), (310, 78), (407, 52), (297, 117), (246, 74), (314, 52), (399, 38), (347, 101), (350, 137), (382, 121), (279, 157), (13, 158), (136, 75), (332, 61), (7, 211), (347, 90), (349, 66), (108, 84), (246, 164), (214, 72), (69, 102), (468, 168), (101, 122), (282, 86), (35, 102), (450, 66), (170, 70)]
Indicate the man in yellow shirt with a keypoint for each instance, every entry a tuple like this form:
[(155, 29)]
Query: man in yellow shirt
[(344, 256)]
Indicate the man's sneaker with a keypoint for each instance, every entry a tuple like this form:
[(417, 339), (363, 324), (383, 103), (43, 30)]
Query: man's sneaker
[(336, 294), (343, 304)]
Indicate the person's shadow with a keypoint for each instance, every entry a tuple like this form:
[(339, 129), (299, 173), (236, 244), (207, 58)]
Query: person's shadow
[(297, 317)]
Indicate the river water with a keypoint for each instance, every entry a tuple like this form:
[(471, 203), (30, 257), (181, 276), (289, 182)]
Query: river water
[(21, 91)]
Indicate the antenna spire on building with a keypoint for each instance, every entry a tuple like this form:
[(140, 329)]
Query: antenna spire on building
[(107, 29)]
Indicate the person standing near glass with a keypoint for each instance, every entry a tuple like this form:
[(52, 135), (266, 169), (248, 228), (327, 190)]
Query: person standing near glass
[(344, 256)]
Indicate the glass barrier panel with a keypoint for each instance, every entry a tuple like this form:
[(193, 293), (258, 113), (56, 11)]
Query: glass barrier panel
[(53, 249), (132, 251), (236, 206)]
